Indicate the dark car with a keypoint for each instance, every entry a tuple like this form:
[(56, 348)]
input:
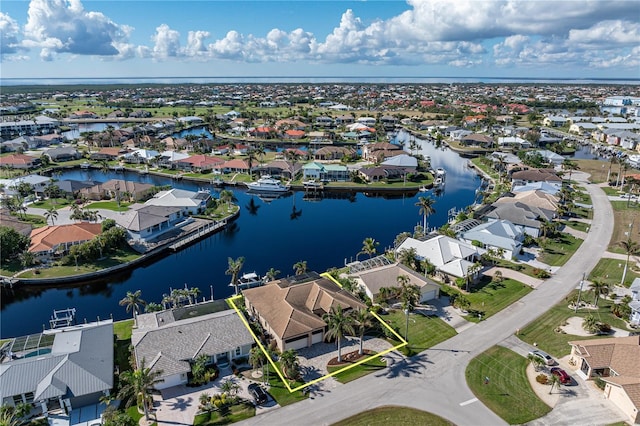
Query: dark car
[(258, 394), (562, 375)]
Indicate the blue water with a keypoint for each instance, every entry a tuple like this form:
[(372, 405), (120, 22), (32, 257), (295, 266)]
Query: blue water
[(275, 234), (38, 352)]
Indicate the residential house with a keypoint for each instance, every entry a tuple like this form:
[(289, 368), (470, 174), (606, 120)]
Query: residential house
[(235, 166), (84, 114), (39, 125), (145, 156), (513, 142), (279, 169), (452, 258), (547, 188), (63, 153), (501, 236), (331, 153), (524, 177), (199, 163), (72, 187), (372, 280), (190, 202), (549, 157), (555, 121), (615, 361), (405, 161), (378, 174), (325, 172), (380, 150), (291, 309), (169, 341), (118, 189), (107, 154), (19, 161), (147, 222), (37, 183), (634, 317), (528, 217), (53, 241), (476, 139), (533, 198), (69, 368), (293, 134), (168, 159), (324, 121)]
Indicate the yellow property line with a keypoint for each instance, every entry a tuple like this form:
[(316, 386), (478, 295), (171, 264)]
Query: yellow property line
[(403, 342)]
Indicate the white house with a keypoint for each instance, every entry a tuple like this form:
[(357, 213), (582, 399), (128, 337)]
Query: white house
[(189, 202), (634, 318), (499, 235)]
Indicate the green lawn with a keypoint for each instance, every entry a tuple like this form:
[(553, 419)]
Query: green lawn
[(610, 191), (491, 297), (235, 413), (123, 329), (508, 393), (390, 415), (610, 270), (109, 205), (47, 204), (560, 249), (578, 226), (279, 391), (34, 219), (424, 332), (542, 330), (358, 371)]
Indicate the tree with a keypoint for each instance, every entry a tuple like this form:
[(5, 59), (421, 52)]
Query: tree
[(27, 259), (630, 247), (426, 209), (497, 277), (257, 358), (368, 247), (51, 214), (409, 297), (535, 361), (12, 243), (136, 386), (408, 257), (339, 323), (570, 165), (472, 270), (235, 266), (362, 319), (590, 324), (227, 197), (290, 365), (554, 381), (133, 302), (599, 287), (230, 387), (300, 267)]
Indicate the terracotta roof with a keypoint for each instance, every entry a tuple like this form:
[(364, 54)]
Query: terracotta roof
[(17, 159), (49, 237), (292, 308)]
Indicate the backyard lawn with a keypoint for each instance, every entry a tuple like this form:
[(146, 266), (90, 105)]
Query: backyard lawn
[(49, 203), (558, 250), (610, 271), (424, 332), (508, 392), (542, 330), (110, 205), (358, 371), (389, 415)]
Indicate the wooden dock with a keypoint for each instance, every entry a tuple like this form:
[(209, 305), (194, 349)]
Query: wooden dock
[(198, 234)]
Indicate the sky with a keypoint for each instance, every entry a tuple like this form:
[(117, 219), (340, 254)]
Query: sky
[(369, 38)]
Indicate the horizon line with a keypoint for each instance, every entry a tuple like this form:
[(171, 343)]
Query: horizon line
[(323, 77)]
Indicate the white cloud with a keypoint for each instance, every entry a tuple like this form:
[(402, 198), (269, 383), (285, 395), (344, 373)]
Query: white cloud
[(59, 26), (608, 33), (9, 33), (166, 43)]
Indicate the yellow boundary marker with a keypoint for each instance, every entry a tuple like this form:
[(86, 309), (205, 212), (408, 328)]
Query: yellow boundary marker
[(326, 275)]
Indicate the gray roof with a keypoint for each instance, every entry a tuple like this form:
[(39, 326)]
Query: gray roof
[(499, 233), (168, 348), (80, 363), (520, 214), (138, 220), (635, 285)]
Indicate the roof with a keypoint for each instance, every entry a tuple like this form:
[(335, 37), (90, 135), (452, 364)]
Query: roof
[(386, 276), (403, 160), (498, 233), (533, 198), (294, 308), (519, 214), (49, 237), (440, 250), (77, 365), (535, 175), (169, 346), (619, 353), (145, 217), (178, 198)]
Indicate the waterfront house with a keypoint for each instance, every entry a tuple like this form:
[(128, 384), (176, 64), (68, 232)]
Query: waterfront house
[(530, 218), (381, 173), (39, 125), (199, 163), (118, 189), (107, 154), (499, 235), (144, 223), (290, 310), (72, 187), (331, 153), (38, 184), (138, 156), (325, 172), (452, 258), (66, 370), (190, 202), (547, 188), (63, 153), (513, 142), (19, 161), (279, 169), (234, 166), (533, 198), (615, 361), (169, 158), (52, 241), (524, 177), (634, 317), (324, 121), (372, 280), (476, 139), (169, 341)]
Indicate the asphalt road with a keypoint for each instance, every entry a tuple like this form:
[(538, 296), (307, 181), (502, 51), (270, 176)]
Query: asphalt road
[(434, 380)]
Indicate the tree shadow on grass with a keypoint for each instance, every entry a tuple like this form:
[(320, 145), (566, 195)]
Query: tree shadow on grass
[(404, 367)]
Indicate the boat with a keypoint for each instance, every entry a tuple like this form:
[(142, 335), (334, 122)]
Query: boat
[(423, 189), (441, 173), (249, 280), (438, 183), (217, 182), (312, 184), (268, 184), (85, 165)]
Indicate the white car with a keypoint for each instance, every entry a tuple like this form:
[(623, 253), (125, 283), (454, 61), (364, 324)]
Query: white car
[(545, 357)]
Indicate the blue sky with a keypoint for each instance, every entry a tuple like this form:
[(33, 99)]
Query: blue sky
[(417, 38)]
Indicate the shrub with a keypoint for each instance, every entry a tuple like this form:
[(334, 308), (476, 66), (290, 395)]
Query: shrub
[(600, 383), (542, 379), (604, 327)]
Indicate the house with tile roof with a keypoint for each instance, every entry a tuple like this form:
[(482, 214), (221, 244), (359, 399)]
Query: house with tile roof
[(169, 344), (372, 280), (50, 241), (291, 309), (616, 361), (118, 188), (68, 368), (191, 202), (19, 161), (533, 198), (530, 218), (500, 236), (199, 163), (147, 222)]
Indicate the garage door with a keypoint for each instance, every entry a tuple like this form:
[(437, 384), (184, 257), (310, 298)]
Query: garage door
[(296, 344), (429, 295), (316, 338)]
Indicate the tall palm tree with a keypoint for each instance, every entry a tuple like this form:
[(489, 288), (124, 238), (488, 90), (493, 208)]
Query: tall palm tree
[(409, 297), (257, 358), (554, 381), (227, 197), (272, 274), (368, 247), (51, 214), (408, 257), (133, 302), (613, 160), (362, 319), (339, 323), (599, 287), (137, 384), (300, 267), (426, 209), (235, 266), (630, 247), (570, 165), (290, 365)]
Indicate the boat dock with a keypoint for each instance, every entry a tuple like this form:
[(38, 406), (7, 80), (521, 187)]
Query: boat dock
[(63, 318), (198, 234)]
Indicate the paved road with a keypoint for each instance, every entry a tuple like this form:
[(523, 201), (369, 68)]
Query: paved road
[(434, 380)]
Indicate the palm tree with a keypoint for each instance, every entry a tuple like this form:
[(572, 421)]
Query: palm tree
[(554, 380), (613, 160), (230, 387), (271, 274), (138, 384), (257, 358), (472, 270), (300, 267), (497, 277), (590, 324), (368, 247), (290, 365), (408, 257), (426, 209), (227, 197), (409, 297), (362, 319), (338, 324), (599, 288), (535, 361), (235, 266), (570, 165), (631, 248), (133, 302)]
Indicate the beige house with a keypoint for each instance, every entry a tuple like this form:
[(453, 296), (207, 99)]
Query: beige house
[(616, 361), (291, 309), (372, 280)]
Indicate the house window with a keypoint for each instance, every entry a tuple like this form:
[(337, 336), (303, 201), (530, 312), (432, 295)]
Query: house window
[(17, 399), (28, 397), (238, 351)]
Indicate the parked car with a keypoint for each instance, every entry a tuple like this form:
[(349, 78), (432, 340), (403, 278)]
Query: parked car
[(545, 357), (258, 394), (562, 375)]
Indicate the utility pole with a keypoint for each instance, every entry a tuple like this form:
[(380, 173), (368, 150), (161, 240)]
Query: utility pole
[(580, 292)]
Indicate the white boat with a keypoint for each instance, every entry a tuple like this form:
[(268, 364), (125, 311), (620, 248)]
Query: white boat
[(438, 183), (441, 173), (312, 184), (249, 280), (85, 165), (267, 184), (423, 189)]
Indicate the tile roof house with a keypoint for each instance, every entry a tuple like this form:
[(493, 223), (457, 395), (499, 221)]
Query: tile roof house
[(199, 163), (291, 309), (19, 161), (114, 188), (71, 368), (616, 361), (52, 240), (63, 153), (533, 198), (169, 344), (498, 235), (191, 202), (148, 222), (524, 177), (528, 217), (372, 280)]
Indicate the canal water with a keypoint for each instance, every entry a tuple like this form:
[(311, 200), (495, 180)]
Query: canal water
[(269, 234)]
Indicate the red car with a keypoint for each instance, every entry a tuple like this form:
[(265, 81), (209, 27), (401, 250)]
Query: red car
[(562, 375)]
